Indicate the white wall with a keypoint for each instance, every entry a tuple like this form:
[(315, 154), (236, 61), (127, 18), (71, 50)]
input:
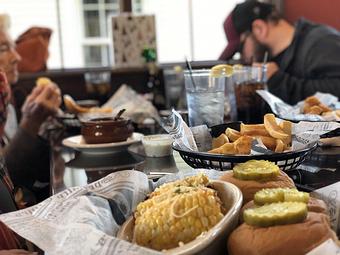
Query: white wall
[(172, 27), (209, 37)]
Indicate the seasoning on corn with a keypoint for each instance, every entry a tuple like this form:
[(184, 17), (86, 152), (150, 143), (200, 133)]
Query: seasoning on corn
[(177, 213)]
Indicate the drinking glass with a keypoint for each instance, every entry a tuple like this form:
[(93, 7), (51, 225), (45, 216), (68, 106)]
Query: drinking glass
[(250, 106), (98, 84), (205, 97)]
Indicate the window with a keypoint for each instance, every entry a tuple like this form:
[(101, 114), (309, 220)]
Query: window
[(97, 45), (81, 28)]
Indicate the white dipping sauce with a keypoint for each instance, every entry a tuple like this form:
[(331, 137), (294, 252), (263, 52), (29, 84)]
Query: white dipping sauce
[(157, 145)]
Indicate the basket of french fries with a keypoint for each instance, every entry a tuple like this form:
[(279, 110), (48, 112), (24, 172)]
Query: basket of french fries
[(235, 142)]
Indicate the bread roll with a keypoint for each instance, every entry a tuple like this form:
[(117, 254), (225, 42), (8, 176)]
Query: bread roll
[(249, 188), (42, 81), (292, 239)]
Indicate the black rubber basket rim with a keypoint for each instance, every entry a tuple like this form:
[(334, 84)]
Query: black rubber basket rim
[(226, 158)]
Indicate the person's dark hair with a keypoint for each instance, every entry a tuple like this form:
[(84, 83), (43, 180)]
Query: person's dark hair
[(245, 13), (274, 16)]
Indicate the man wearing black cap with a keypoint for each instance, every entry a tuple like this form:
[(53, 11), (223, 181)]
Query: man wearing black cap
[(304, 58)]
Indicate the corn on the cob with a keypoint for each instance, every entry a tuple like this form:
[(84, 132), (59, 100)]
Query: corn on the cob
[(191, 181), (177, 214)]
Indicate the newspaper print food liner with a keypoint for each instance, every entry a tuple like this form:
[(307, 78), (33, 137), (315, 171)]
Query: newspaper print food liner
[(331, 195), (293, 113), (85, 220), (137, 108)]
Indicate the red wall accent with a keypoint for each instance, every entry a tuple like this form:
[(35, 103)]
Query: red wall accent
[(320, 11)]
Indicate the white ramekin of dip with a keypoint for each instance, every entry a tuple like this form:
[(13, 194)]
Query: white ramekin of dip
[(157, 145)]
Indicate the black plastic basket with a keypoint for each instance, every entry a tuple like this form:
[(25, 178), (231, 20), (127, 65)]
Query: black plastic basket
[(286, 160)]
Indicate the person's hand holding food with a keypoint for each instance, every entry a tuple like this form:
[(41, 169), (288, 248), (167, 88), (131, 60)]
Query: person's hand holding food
[(44, 101)]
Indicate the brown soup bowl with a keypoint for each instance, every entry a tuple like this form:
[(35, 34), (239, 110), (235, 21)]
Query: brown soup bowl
[(106, 130)]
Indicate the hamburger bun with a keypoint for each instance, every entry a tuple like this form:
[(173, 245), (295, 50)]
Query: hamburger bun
[(292, 239), (250, 187), (314, 205)]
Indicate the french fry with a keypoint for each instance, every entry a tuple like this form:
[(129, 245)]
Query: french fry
[(219, 141), (216, 151), (312, 105), (325, 108), (227, 149), (280, 146), (268, 141), (287, 128), (232, 134), (312, 100), (273, 128), (315, 109), (337, 112), (306, 108), (73, 107), (276, 137), (253, 130), (101, 109), (243, 144)]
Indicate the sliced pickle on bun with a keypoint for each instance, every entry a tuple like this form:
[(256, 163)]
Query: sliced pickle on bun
[(267, 196), (260, 170), (276, 214)]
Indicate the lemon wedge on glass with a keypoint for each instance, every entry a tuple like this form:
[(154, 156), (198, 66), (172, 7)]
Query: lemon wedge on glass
[(221, 71), (237, 67)]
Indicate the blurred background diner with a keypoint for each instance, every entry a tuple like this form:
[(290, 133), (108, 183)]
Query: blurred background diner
[(90, 48), (66, 63)]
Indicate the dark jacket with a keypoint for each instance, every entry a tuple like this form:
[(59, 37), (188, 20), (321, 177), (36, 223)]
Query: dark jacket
[(310, 64), (27, 159)]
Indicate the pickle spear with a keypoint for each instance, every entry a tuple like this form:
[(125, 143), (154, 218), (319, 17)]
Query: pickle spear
[(276, 214), (268, 196), (259, 170)]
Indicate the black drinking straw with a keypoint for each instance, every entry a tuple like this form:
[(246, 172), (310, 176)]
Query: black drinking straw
[(190, 72)]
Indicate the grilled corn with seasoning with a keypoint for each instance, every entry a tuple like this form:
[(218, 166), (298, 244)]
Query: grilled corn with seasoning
[(177, 214), (199, 180)]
